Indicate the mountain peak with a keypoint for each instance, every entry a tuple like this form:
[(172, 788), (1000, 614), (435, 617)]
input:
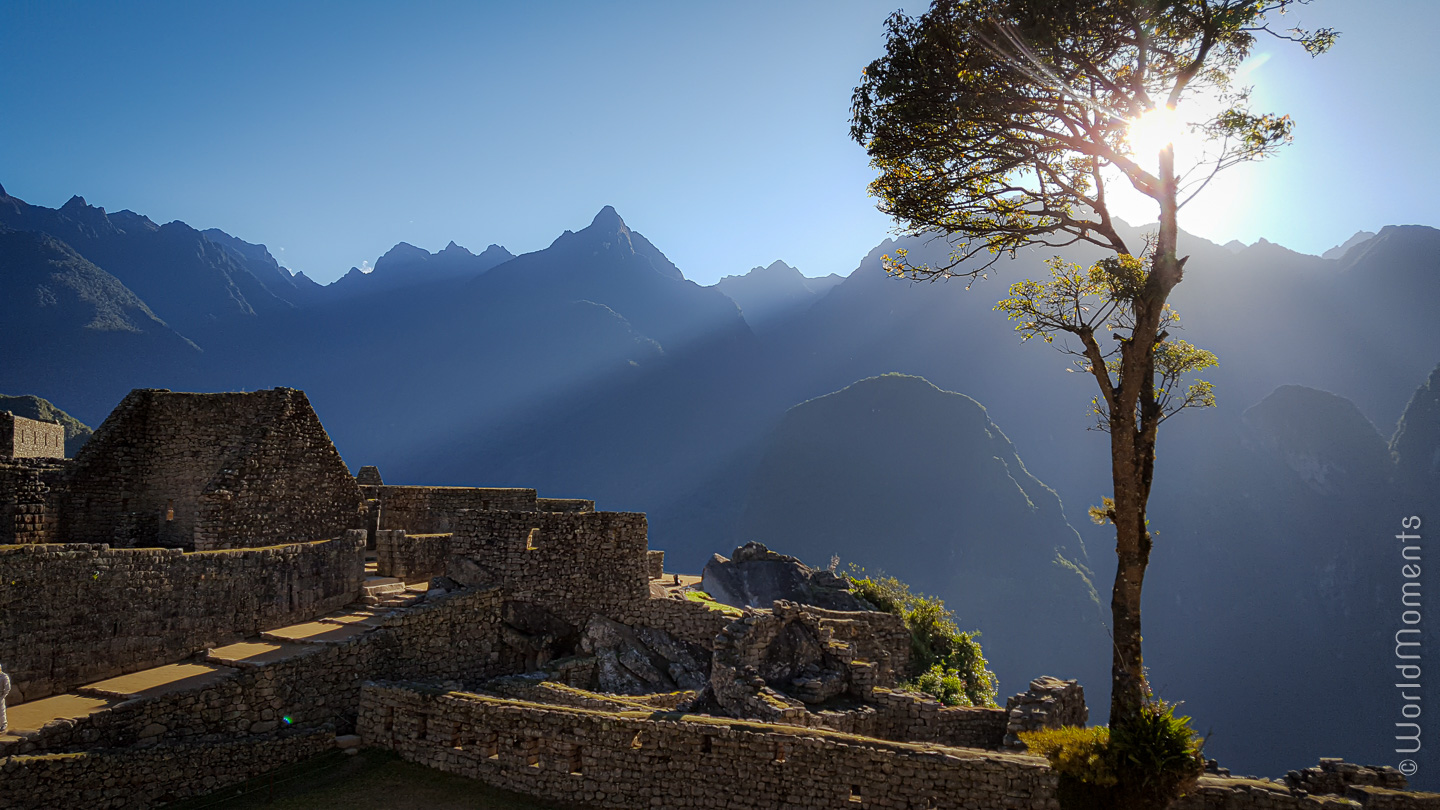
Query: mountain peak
[(1341, 249), (608, 220), (74, 202)]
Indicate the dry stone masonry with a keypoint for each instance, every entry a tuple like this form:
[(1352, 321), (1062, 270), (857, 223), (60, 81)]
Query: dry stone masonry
[(206, 593), (30, 438), (208, 471)]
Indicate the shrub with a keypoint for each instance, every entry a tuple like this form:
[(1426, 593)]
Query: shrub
[(1159, 754), (950, 662), (1079, 753), (1143, 765)]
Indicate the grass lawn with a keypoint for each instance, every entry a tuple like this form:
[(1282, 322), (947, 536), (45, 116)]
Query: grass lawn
[(370, 780)]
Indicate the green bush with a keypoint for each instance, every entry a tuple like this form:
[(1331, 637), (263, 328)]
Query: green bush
[(1079, 753), (950, 663), (1142, 765), (1158, 752)]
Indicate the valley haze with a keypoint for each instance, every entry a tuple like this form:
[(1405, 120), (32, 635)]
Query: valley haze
[(606, 280)]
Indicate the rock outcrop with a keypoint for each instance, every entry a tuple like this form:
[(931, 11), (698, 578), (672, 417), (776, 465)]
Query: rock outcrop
[(757, 577), (640, 660)]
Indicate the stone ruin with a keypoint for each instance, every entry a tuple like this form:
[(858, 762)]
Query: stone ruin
[(206, 594)]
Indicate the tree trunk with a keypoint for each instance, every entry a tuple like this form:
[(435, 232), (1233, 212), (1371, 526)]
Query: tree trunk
[(1134, 419)]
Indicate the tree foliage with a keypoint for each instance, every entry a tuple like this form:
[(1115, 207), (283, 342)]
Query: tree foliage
[(1003, 124), (948, 663), (1000, 122)]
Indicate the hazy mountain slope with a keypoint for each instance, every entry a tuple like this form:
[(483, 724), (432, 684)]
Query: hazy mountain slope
[(768, 295), (1416, 443), (1275, 563), (298, 290), (32, 407), (612, 265), (186, 279), (406, 265), (74, 333), (893, 473)]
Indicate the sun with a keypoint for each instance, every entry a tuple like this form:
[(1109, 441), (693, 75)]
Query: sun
[(1154, 130)]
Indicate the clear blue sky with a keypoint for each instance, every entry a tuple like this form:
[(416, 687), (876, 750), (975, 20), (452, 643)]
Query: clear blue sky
[(331, 131)]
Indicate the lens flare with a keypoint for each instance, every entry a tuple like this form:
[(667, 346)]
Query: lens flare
[(1153, 131)]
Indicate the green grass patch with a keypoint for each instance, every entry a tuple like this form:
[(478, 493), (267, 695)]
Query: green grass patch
[(709, 601)]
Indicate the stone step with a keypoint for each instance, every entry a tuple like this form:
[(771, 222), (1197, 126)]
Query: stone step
[(32, 716), (255, 653), (360, 615), (316, 633), (157, 681), (378, 585)]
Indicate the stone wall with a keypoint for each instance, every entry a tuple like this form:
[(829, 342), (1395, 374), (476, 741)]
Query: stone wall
[(655, 562), (148, 777), (209, 471), (411, 557), (688, 621), (917, 718), (1049, 703), (564, 505), (572, 564), (28, 494), (30, 438), (454, 638), (433, 510), (628, 760), (874, 636), (74, 614)]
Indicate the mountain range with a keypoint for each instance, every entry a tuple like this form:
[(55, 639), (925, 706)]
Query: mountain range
[(859, 416)]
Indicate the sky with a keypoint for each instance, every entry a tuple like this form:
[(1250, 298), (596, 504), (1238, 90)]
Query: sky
[(331, 131)]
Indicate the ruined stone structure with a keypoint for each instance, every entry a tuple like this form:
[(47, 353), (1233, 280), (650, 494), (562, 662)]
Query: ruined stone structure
[(208, 471), (28, 490), (30, 438), (535, 644), (32, 461)]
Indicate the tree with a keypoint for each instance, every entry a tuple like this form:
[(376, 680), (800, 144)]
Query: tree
[(999, 123)]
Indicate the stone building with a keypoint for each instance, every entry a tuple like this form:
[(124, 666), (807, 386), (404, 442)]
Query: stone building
[(208, 471), (32, 461), (29, 438)]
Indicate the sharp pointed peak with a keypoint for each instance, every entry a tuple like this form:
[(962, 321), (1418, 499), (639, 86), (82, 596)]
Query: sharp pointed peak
[(608, 219), (75, 202)]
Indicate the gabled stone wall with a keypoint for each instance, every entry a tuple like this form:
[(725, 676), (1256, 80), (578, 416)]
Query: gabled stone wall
[(209, 471)]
